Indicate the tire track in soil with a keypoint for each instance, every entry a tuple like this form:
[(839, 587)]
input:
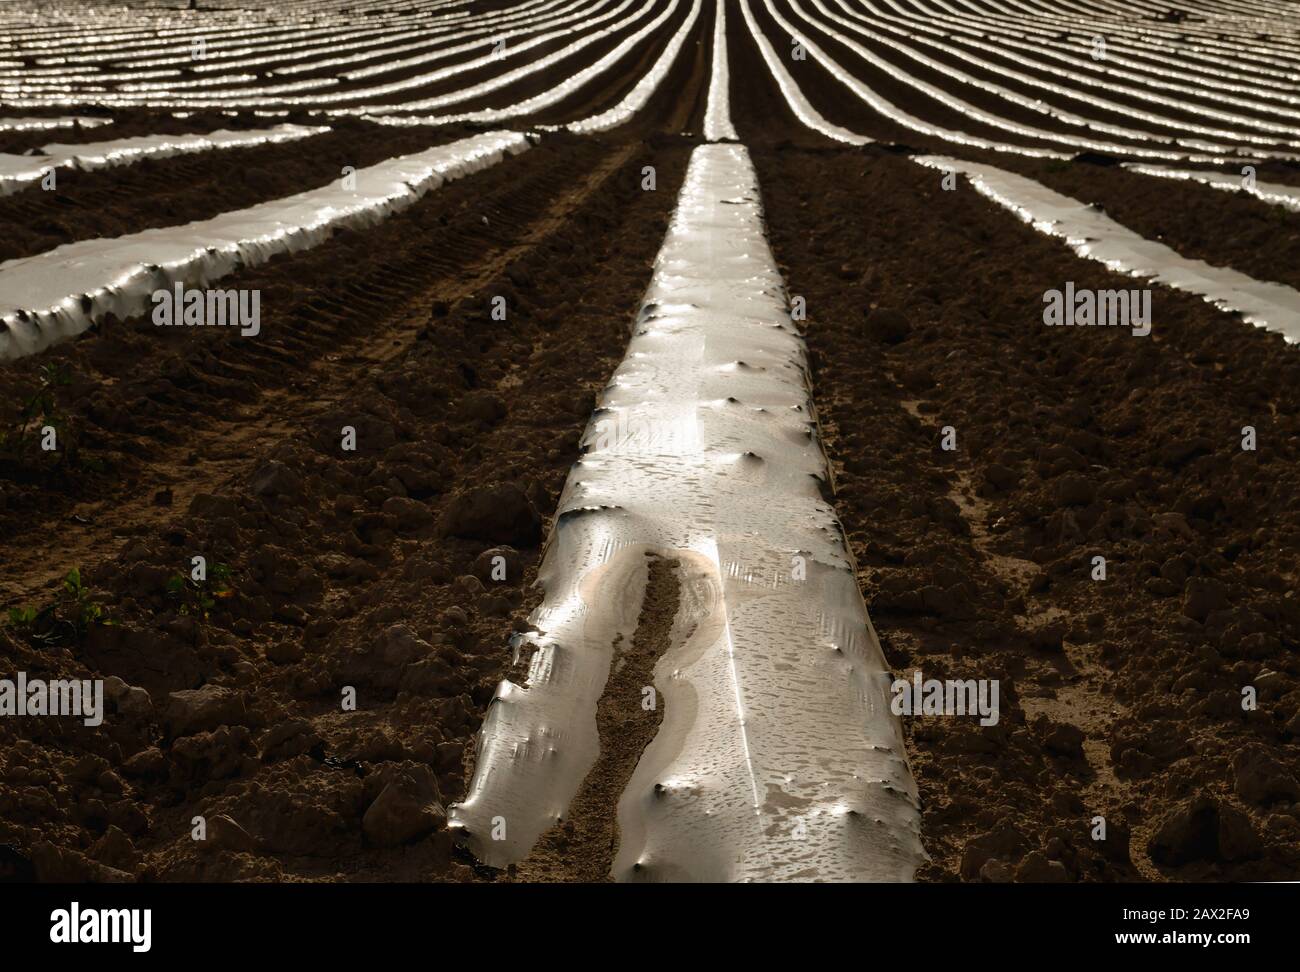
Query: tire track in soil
[(582, 848), (312, 369), (340, 580), (678, 105)]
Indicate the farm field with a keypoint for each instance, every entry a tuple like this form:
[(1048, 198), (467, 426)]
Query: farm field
[(617, 407)]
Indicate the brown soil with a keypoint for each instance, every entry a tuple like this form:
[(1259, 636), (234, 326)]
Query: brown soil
[(1232, 229), (582, 848), (1120, 698), (126, 124), (334, 572), (181, 189), (346, 569)]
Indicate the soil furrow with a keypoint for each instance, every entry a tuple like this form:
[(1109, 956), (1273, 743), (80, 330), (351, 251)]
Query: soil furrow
[(301, 349), (582, 848), (169, 192), (371, 570), (1222, 228), (1103, 528), (1120, 698)]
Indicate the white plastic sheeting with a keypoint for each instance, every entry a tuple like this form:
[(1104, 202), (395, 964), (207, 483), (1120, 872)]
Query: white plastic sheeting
[(778, 757), (1093, 234), (1035, 103), (585, 38), (790, 88), (546, 99), (1159, 54), (649, 83), (19, 171), (40, 124), (717, 114), (80, 76), (946, 98), (511, 41), (59, 294), (886, 108), (794, 95), (1270, 192), (1080, 72), (357, 52)]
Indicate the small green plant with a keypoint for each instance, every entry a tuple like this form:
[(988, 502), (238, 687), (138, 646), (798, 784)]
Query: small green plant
[(86, 612), (221, 575), (41, 409), (198, 598), (18, 617), (66, 620)]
